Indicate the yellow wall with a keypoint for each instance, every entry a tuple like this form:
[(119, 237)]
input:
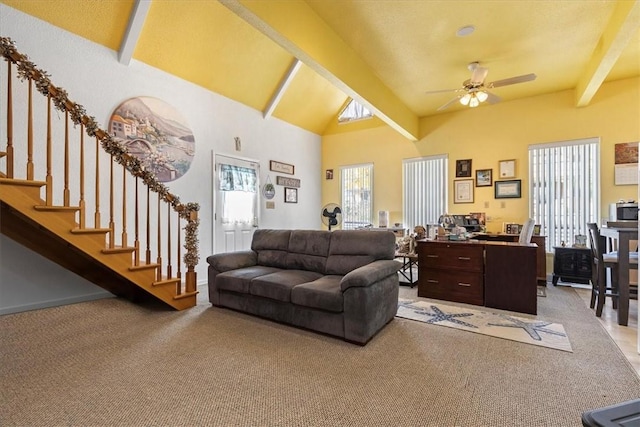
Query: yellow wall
[(486, 135)]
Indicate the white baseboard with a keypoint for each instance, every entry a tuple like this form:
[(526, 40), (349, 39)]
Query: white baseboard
[(55, 302)]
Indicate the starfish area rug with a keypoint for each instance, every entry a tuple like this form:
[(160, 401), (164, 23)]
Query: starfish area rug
[(500, 325)]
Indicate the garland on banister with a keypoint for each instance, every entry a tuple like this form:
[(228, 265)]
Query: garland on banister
[(27, 70)]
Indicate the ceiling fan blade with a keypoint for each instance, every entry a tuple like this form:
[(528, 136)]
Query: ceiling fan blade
[(493, 99), (478, 75), (429, 92), (448, 104), (512, 80)]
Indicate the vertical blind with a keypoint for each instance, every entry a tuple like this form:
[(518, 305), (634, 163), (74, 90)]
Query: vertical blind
[(424, 189), (564, 180), (357, 196)]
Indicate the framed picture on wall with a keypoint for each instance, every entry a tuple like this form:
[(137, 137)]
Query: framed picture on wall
[(507, 168), (508, 189), (290, 195), (463, 168), (463, 191), (484, 177)]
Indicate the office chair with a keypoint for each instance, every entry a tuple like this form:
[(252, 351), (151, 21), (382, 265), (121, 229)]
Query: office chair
[(526, 232)]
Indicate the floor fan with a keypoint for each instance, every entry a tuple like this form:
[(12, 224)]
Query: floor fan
[(331, 215)]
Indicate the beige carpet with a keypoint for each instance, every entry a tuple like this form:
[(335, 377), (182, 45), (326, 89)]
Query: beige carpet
[(112, 363)]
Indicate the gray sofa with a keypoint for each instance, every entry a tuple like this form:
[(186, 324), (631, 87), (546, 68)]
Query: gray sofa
[(342, 283)]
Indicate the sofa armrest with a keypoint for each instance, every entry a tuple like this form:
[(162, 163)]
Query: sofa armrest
[(369, 274), (232, 260)]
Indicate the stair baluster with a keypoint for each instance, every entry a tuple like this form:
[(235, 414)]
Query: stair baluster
[(9, 161)]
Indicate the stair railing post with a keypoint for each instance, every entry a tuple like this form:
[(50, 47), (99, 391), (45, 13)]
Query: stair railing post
[(159, 258), (30, 133), (147, 255), (136, 242), (82, 203), (66, 193), (49, 177), (96, 216), (125, 238), (169, 248), (10, 154), (112, 225)]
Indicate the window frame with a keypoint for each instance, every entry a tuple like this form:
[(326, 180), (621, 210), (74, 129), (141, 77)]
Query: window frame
[(360, 221)]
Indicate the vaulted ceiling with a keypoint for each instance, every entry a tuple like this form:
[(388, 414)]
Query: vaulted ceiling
[(302, 60)]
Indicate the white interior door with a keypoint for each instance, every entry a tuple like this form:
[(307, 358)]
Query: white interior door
[(236, 213)]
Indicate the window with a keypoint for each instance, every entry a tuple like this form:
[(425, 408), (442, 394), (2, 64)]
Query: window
[(357, 196), (238, 187), (564, 180), (354, 111), (424, 190)]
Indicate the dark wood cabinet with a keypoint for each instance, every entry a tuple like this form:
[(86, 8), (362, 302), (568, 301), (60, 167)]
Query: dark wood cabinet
[(493, 274), (510, 278), (451, 271), (571, 265)]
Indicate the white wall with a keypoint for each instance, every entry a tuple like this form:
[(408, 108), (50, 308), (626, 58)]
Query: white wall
[(93, 77)]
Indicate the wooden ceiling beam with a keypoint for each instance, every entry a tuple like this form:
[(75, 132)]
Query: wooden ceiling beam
[(136, 22), (295, 27), (622, 27), (284, 84)]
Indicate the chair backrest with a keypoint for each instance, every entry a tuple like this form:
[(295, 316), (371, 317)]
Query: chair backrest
[(526, 232), (595, 241)]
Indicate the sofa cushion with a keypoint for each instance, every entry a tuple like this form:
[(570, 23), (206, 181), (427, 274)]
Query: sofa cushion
[(308, 250), (278, 285), (324, 294), (239, 280), (350, 249), (271, 246)]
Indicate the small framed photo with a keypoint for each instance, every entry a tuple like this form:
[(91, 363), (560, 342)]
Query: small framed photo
[(536, 229), (484, 177), (463, 191), (508, 189), (463, 168), (507, 168), (290, 195), (328, 174)]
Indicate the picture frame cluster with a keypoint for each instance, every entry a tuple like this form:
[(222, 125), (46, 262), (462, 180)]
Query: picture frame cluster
[(505, 187)]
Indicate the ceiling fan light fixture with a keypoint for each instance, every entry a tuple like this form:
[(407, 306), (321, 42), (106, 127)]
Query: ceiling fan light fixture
[(482, 95), (465, 99), (474, 102)]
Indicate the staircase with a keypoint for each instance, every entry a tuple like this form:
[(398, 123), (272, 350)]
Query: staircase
[(57, 167)]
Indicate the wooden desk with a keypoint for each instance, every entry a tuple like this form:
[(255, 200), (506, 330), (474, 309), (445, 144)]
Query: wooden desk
[(541, 253), (623, 235), (494, 274)]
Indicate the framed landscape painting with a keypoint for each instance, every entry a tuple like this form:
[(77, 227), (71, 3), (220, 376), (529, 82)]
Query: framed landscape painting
[(484, 177)]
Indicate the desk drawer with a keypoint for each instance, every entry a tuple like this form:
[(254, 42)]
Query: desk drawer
[(458, 256), (459, 286)]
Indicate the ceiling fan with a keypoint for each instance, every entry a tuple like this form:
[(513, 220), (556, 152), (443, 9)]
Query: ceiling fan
[(474, 90)]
